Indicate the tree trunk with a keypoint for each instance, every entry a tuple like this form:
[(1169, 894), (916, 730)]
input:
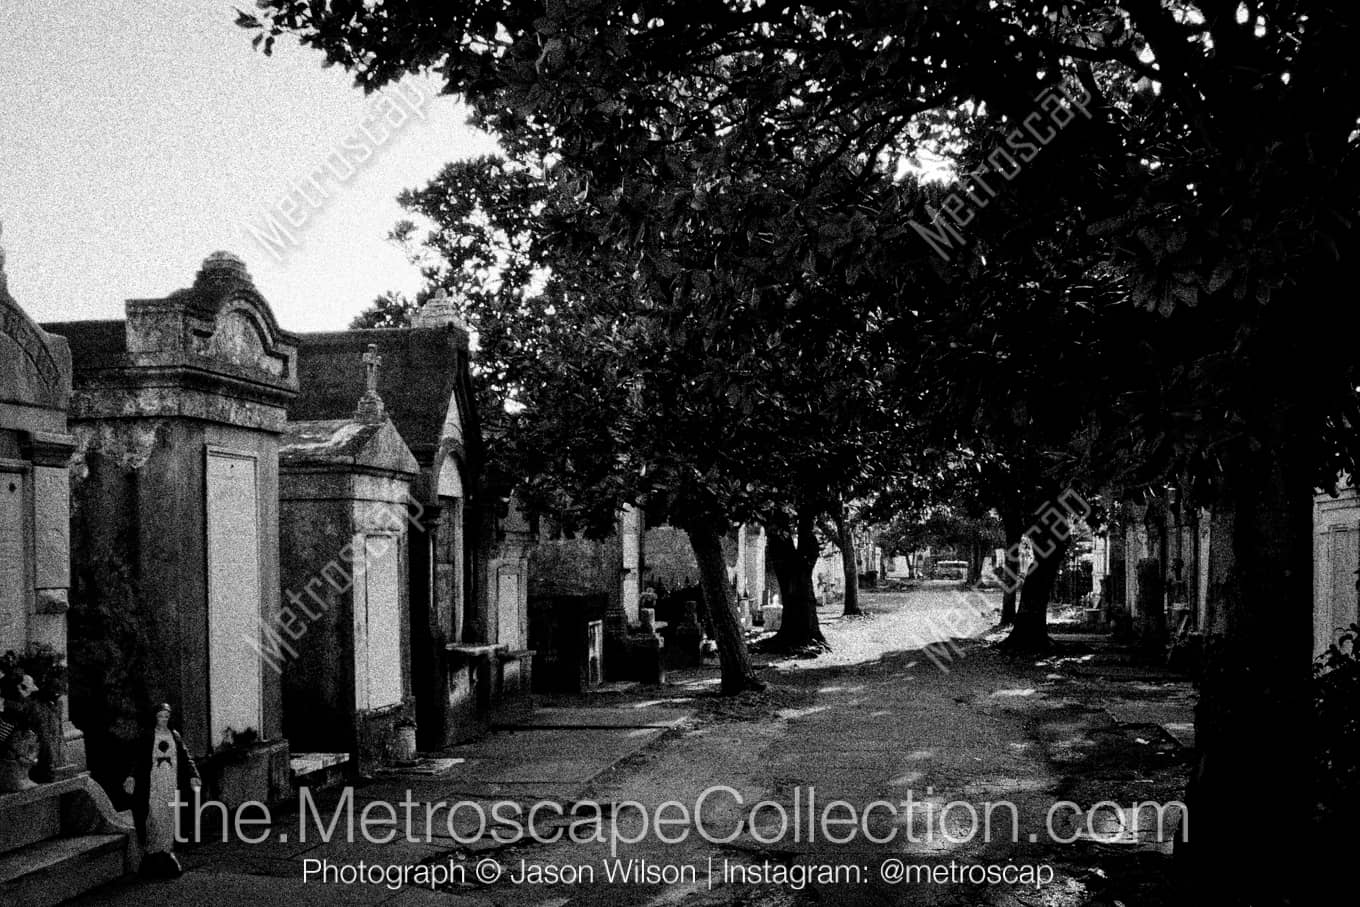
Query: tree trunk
[(1253, 721), (1014, 524), (1151, 599), (737, 673), (845, 538), (974, 561), (1030, 630), (1151, 574), (793, 568)]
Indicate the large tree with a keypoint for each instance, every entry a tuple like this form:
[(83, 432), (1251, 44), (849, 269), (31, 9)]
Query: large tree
[(734, 376)]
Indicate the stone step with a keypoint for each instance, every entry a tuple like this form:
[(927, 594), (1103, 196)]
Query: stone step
[(301, 765), (28, 817), (318, 771), (597, 718), (52, 871)]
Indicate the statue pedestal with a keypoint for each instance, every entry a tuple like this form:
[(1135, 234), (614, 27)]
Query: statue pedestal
[(14, 775), (20, 755)]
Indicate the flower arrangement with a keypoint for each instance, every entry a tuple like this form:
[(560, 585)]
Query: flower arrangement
[(236, 745), (45, 665)]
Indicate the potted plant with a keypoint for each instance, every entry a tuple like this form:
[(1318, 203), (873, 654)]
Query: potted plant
[(404, 742), (230, 770), (236, 745)]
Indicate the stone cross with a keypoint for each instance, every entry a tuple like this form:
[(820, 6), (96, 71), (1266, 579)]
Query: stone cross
[(370, 404), (371, 363)]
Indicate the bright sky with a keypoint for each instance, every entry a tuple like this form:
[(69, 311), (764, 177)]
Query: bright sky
[(135, 139)]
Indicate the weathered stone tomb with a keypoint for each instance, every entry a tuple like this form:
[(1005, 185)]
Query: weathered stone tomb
[(177, 413)]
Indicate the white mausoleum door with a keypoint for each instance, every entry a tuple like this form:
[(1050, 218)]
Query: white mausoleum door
[(509, 594), (234, 604), (1343, 557), (13, 558)]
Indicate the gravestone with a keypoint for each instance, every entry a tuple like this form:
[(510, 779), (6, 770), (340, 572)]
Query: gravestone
[(751, 567), (177, 413), (684, 639)]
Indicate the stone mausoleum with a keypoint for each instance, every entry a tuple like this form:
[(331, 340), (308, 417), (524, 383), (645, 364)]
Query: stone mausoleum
[(177, 413), (35, 391), (345, 640), (466, 551), (59, 835)]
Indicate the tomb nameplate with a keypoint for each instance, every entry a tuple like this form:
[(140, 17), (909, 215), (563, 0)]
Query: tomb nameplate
[(510, 630), (52, 521), (382, 631), (13, 557), (233, 536)]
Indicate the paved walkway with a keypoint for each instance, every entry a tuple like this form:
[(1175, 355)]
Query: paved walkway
[(545, 756), (881, 720)]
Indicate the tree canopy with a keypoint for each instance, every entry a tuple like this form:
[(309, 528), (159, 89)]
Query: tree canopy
[(1150, 297)]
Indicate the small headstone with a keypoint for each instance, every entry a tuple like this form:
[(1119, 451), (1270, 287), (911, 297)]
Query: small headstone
[(691, 618), (774, 617)]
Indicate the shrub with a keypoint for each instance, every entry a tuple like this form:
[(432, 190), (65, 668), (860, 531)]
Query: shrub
[(1336, 700)]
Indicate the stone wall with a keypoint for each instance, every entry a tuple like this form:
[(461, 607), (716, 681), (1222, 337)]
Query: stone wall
[(570, 567), (668, 558), (141, 556)]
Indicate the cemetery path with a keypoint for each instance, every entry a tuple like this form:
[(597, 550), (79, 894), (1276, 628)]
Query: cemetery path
[(895, 715), (915, 733)]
